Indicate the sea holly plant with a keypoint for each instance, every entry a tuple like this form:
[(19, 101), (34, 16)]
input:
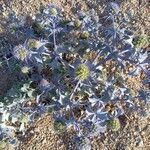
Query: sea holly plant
[(77, 70)]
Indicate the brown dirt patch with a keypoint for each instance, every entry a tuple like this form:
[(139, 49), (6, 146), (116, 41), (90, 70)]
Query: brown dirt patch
[(44, 137)]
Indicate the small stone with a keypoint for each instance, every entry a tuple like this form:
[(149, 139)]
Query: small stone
[(135, 133), (142, 133), (44, 141)]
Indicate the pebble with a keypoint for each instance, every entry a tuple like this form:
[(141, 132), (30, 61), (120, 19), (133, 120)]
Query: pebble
[(44, 141), (135, 133), (142, 133)]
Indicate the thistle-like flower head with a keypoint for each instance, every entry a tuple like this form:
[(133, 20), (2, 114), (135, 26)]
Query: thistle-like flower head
[(114, 124), (21, 52), (33, 43), (59, 126), (77, 23), (140, 41), (25, 69), (53, 11), (84, 35), (82, 72)]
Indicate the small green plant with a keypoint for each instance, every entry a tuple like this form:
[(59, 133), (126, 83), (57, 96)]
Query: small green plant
[(59, 126), (114, 124), (82, 72), (140, 41)]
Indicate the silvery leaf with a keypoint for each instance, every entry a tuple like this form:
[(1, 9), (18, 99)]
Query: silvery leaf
[(22, 127), (115, 7), (142, 57), (5, 116)]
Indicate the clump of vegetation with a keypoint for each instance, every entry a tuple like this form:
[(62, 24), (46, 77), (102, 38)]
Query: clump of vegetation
[(73, 78), (21, 53)]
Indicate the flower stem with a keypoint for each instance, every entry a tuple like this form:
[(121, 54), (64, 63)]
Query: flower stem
[(77, 85), (54, 37)]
